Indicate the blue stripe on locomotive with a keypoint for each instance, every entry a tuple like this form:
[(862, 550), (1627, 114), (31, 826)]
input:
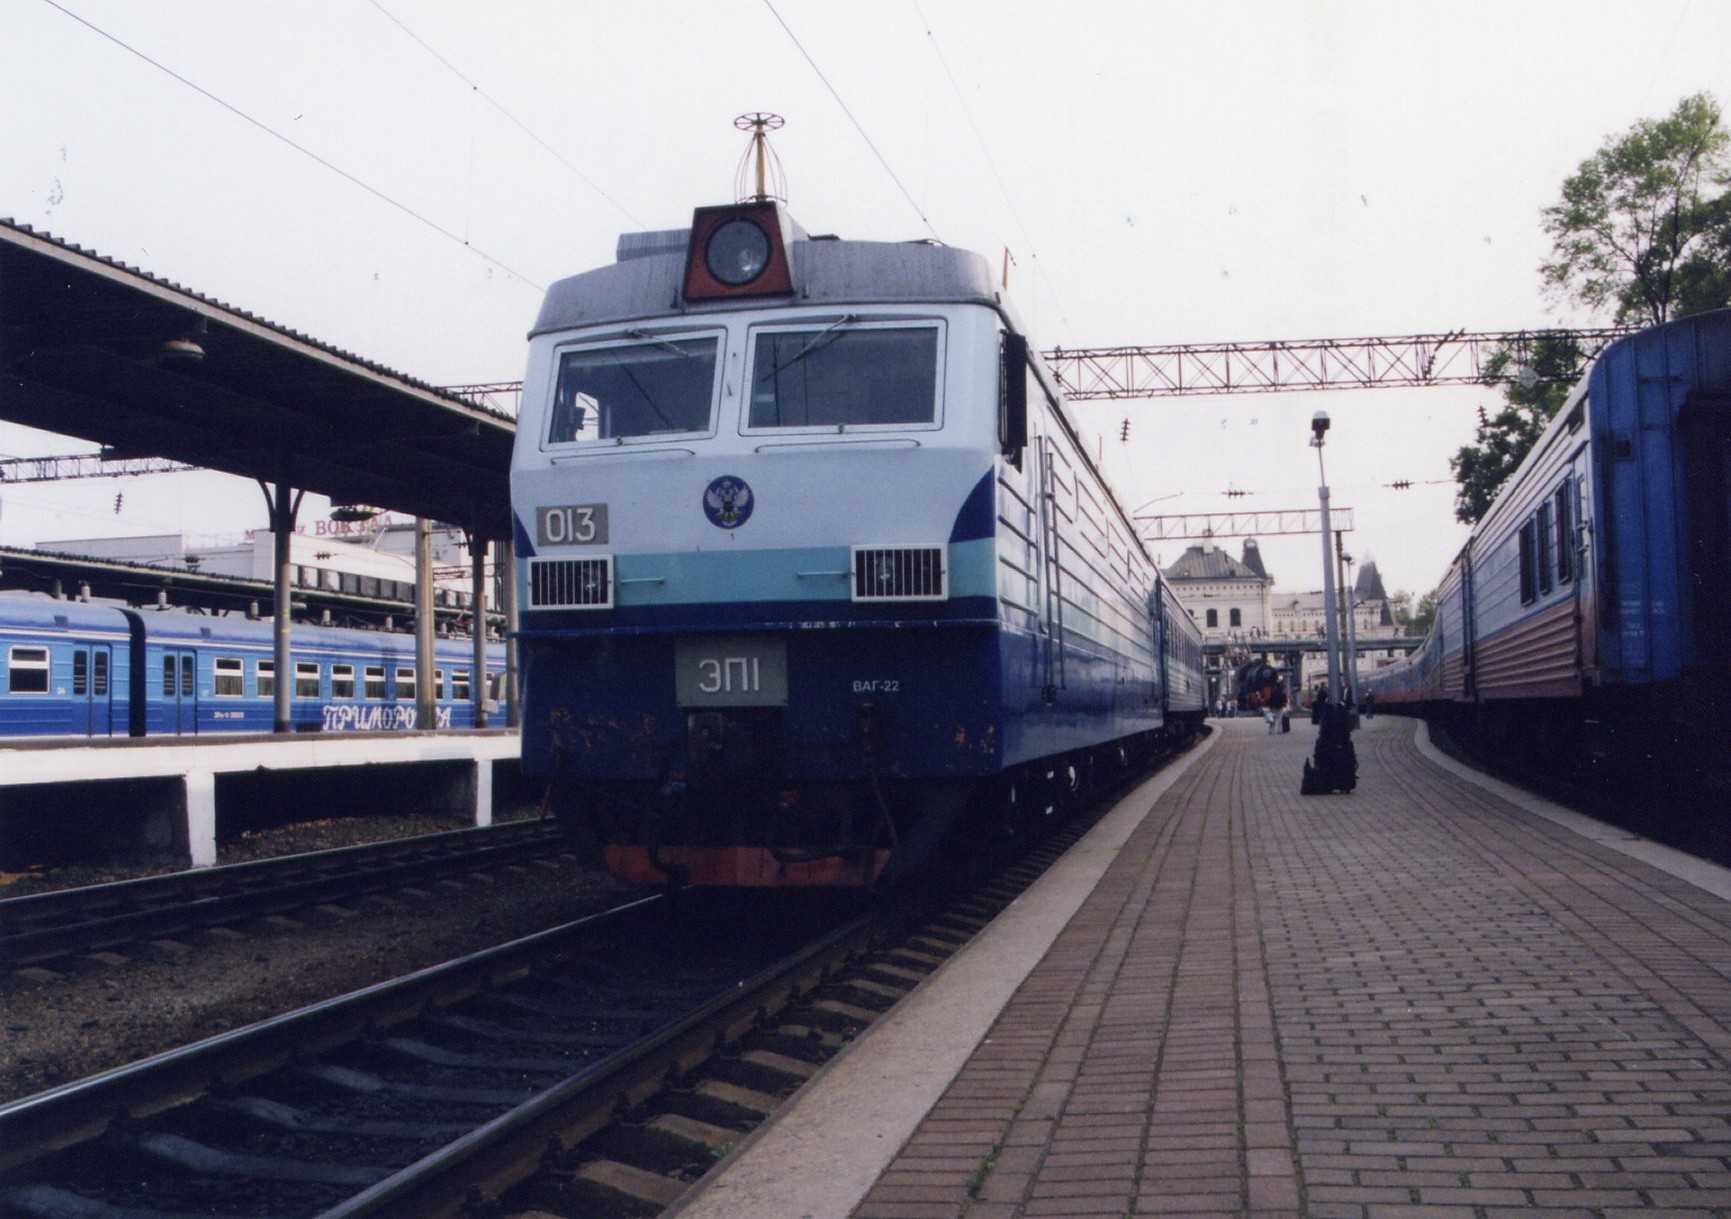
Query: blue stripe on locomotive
[(954, 700)]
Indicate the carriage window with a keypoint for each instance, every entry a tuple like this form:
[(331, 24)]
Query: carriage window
[(80, 672), (1544, 548), (375, 682), (342, 681), (405, 685), (27, 671), (845, 376), (460, 685), (658, 387), (265, 676), (306, 679), (228, 677), (1565, 536), (1529, 582), (99, 684), (439, 685)]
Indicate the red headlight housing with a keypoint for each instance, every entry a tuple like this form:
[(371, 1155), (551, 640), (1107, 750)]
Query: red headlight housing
[(738, 251)]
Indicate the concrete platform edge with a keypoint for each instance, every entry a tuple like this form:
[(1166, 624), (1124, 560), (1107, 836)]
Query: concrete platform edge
[(820, 1154), (1701, 873)]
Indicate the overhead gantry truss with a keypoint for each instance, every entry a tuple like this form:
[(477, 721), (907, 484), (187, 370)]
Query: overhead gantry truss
[(1284, 365), (1240, 524)]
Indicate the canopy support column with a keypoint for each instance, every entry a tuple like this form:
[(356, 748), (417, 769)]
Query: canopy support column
[(284, 504), (478, 604), (426, 708)]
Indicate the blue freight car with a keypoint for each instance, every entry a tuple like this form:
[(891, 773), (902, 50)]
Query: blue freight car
[(1587, 614), (75, 669), (815, 569)]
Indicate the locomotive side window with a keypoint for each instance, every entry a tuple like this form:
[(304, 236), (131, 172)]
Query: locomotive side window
[(845, 375), (27, 671), (342, 681), (228, 677), (627, 391)]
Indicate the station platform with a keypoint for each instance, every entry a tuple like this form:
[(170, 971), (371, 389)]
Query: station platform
[(176, 784), (1437, 996)]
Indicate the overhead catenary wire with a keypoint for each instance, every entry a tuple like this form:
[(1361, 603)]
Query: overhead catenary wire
[(300, 148), (858, 126), (512, 118), (991, 163)]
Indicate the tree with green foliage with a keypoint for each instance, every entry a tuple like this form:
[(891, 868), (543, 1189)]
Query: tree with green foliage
[(1414, 623), (1643, 228), (1536, 378), (1645, 217)]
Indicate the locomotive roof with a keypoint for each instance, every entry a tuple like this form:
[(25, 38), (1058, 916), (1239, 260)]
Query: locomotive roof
[(646, 279)]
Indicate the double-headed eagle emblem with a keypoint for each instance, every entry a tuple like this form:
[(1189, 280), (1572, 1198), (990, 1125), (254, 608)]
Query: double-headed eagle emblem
[(727, 502)]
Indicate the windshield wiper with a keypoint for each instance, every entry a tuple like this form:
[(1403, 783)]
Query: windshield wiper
[(664, 344), (821, 339)]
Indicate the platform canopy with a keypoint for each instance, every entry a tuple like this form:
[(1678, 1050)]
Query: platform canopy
[(93, 348)]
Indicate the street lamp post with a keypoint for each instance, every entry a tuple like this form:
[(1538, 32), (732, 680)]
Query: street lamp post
[(1319, 427), (1350, 595), (1335, 766)]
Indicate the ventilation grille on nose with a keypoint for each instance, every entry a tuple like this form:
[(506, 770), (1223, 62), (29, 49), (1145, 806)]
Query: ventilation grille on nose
[(899, 573), (571, 583)]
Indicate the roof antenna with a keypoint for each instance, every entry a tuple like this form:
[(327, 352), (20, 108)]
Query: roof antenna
[(771, 181)]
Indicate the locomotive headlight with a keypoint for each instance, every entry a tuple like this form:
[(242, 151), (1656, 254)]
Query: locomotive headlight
[(737, 252)]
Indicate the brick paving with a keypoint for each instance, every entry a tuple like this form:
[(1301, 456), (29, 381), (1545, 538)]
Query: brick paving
[(1413, 1001)]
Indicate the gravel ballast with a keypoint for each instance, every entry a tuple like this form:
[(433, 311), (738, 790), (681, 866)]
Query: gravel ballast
[(155, 997)]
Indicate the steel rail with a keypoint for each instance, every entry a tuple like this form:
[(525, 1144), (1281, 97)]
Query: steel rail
[(78, 1111), (43, 926), (510, 1147)]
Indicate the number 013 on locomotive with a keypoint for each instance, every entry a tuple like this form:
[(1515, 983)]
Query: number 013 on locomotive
[(814, 573)]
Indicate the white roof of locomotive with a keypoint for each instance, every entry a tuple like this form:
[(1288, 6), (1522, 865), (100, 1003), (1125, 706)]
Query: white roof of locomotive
[(645, 281)]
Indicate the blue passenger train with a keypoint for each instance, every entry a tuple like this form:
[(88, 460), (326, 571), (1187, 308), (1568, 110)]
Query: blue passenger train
[(96, 670), (815, 570), (1586, 617)]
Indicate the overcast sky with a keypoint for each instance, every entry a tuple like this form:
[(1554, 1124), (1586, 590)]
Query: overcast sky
[(1169, 173)]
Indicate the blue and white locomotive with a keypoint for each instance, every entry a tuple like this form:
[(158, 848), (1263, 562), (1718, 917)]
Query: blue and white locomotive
[(814, 570), (1586, 618), (99, 670)]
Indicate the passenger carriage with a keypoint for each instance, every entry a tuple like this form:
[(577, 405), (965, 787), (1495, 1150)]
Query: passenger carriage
[(77, 669), (1590, 605)]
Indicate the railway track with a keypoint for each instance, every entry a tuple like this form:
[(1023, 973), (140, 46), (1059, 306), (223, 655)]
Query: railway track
[(48, 927), (596, 1069)]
